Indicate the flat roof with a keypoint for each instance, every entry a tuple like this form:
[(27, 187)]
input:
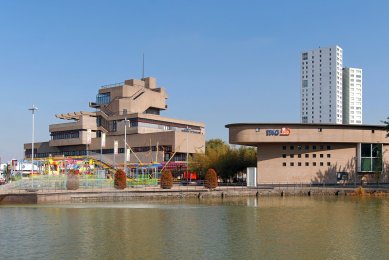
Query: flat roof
[(256, 133), (74, 115), (313, 125)]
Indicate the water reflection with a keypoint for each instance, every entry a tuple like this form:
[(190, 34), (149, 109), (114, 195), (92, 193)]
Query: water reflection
[(277, 228)]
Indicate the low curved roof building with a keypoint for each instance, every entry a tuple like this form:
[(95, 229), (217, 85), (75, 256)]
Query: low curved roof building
[(315, 153)]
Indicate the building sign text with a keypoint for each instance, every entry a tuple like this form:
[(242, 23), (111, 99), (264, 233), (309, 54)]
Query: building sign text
[(275, 132)]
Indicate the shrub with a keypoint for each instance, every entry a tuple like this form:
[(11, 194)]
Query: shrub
[(166, 179), (120, 181), (360, 191), (210, 179), (72, 180)]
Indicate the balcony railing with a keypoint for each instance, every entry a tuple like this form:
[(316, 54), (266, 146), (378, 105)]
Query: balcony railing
[(112, 85)]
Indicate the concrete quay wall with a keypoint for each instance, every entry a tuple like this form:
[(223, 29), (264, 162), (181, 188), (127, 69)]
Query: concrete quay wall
[(85, 196)]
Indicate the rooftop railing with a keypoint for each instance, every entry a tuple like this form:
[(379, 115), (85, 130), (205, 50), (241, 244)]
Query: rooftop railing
[(112, 85)]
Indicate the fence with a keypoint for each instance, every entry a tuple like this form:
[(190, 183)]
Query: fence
[(92, 183)]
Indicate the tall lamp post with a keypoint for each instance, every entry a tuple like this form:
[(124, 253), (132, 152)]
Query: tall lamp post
[(187, 155), (33, 109), (125, 145)]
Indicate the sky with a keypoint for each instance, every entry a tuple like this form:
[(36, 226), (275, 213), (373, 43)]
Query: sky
[(221, 62)]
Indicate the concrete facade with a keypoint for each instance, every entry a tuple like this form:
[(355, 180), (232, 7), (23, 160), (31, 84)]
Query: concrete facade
[(352, 96), (150, 136), (314, 153)]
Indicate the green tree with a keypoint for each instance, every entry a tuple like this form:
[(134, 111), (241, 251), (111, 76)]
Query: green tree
[(120, 181), (247, 157), (210, 179), (226, 160), (166, 179), (214, 150)]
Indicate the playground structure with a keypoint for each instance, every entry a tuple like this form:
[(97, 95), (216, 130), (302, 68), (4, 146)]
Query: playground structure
[(94, 166), (100, 167)]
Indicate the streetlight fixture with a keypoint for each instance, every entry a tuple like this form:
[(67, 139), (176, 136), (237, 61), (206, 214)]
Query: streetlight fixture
[(33, 109)]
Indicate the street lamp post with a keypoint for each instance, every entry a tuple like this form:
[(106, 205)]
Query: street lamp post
[(187, 155), (33, 109), (125, 145)]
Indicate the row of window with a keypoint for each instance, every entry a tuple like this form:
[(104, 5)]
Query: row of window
[(306, 164), (306, 155), (65, 135), (111, 126), (307, 147), (103, 98), (305, 57), (166, 149)]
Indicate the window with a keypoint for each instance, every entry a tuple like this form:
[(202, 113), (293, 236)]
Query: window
[(299, 155), (284, 147), (291, 155), (313, 155), (328, 164), (306, 155), (370, 158), (114, 126), (291, 164), (291, 147), (307, 147), (284, 164), (328, 155), (321, 163), (103, 98), (307, 164), (313, 147), (314, 163), (299, 164), (321, 155), (283, 155), (65, 135), (328, 147)]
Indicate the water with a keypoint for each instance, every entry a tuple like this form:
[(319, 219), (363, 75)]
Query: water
[(264, 228)]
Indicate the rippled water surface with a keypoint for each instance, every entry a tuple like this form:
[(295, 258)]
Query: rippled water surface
[(264, 228)]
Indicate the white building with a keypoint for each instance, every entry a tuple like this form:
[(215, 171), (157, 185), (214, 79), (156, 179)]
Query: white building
[(352, 96), (321, 85)]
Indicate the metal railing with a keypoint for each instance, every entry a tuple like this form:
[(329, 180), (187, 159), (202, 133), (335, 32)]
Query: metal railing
[(91, 183), (112, 85)]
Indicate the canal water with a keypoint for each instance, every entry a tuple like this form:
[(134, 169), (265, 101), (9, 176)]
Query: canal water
[(249, 228)]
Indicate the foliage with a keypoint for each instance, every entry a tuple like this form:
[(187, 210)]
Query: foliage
[(386, 126), (166, 179), (226, 160), (134, 182), (72, 180), (210, 179), (120, 181), (73, 172), (360, 191)]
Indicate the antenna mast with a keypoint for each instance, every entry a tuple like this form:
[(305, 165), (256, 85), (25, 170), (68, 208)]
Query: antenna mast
[(143, 67)]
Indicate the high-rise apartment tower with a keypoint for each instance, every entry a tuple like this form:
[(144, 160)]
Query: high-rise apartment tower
[(352, 96), (321, 85), (329, 93)]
